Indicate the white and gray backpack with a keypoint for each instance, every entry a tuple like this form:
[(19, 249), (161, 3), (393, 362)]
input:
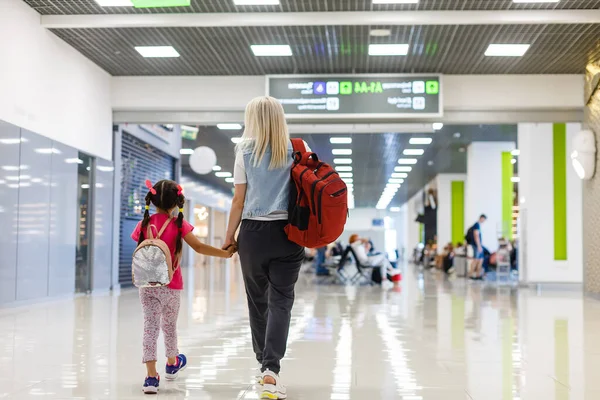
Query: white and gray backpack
[(152, 265)]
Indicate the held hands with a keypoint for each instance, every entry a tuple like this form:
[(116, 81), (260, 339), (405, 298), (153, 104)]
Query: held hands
[(230, 248)]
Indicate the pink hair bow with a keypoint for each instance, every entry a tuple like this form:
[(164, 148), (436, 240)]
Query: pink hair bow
[(149, 186), (179, 190)]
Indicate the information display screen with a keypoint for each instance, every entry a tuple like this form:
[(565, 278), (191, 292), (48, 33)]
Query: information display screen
[(372, 96)]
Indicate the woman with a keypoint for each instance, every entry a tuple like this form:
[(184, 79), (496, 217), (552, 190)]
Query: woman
[(359, 246), (270, 262)]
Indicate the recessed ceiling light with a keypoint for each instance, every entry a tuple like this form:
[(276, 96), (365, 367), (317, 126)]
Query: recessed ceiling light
[(256, 2), (282, 50), (392, 180), (186, 151), (229, 180), (216, 168), (420, 140), (393, 185), (407, 161), (456, 134), (513, 161), (536, 1), (229, 127), (395, 209), (349, 181), (430, 163), (236, 140), (403, 169), (506, 50), (413, 152), (380, 32), (114, 3), (515, 179), (437, 126), (15, 167), (342, 161), (157, 51), (341, 152), (345, 174), (388, 49), (462, 149), (399, 175), (343, 169), (223, 174), (515, 152), (395, 1), (340, 140)]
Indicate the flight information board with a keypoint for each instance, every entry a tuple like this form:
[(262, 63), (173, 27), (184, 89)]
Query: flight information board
[(358, 96)]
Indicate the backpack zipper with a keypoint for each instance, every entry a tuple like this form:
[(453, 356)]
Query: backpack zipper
[(314, 187)]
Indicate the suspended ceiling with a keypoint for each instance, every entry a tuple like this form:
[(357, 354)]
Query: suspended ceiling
[(374, 156)]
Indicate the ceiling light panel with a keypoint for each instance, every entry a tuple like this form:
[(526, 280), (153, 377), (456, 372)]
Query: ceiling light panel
[(340, 140), (407, 161), (341, 152), (342, 168), (342, 161), (535, 1), (388, 49), (114, 3), (223, 174), (399, 175), (282, 50), (256, 2), (413, 152), (418, 141), (229, 127), (437, 126), (157, 51), (402, 169), (395, 1), (506, 50)]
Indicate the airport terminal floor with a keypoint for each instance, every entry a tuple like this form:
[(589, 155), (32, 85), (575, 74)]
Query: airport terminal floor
[(431, 338)]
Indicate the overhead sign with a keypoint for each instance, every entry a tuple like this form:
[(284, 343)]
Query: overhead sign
[(358, 96)]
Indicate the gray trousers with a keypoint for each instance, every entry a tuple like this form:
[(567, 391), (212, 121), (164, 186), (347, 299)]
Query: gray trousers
[(270, 266)]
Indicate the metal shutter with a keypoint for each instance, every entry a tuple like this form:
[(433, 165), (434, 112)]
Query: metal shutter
[(140, 161)]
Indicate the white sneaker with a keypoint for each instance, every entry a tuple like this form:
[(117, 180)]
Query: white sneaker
[(386, 285), (273, 392)]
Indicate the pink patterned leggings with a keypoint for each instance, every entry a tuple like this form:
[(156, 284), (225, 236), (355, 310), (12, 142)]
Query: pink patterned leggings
[(161, 308)]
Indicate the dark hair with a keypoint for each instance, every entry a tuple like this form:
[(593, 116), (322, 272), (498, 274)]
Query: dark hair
[(166, 198), (483, 216)]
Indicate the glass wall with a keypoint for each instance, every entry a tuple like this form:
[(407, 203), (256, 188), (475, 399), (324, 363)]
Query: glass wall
[(45, 251)]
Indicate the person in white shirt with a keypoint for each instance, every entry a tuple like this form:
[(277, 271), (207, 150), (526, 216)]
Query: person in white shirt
[(359, 244)]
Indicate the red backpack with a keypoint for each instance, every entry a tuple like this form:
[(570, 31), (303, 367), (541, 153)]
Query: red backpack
[(318, 201)]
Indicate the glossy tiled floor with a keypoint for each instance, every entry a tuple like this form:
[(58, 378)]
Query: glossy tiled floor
[(432, 339)]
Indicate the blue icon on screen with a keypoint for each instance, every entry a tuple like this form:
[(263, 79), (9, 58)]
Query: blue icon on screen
[(319, 88)]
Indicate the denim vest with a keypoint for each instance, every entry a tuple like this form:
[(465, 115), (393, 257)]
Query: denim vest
[(267, 190)]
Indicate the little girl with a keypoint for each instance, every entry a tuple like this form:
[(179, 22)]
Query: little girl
[(161, 304)]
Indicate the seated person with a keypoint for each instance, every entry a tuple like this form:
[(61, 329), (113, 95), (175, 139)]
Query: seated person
[(377, 260), (448, 259)]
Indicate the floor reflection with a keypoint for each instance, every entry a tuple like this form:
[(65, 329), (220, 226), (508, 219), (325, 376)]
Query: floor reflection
[(433, 338)]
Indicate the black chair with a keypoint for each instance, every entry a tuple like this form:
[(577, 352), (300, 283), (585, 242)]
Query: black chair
[(362, 271), (338, 268)]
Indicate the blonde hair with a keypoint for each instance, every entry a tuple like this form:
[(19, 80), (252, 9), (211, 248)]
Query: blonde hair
[(266, 127)]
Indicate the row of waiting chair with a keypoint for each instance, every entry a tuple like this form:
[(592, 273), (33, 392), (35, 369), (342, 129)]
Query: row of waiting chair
[(339, 272)]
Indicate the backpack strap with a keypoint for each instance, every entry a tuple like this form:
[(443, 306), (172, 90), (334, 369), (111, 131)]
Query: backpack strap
[(298, 145), (162, 230)]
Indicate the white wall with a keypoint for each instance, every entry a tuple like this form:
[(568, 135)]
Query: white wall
[(460, 92), (410, 234), (536, 191), (444, 207), (48, 87), (483, 189)]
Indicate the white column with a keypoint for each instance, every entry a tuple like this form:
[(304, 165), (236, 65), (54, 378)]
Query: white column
[(444, 207), (483, 194), (536, 192)]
